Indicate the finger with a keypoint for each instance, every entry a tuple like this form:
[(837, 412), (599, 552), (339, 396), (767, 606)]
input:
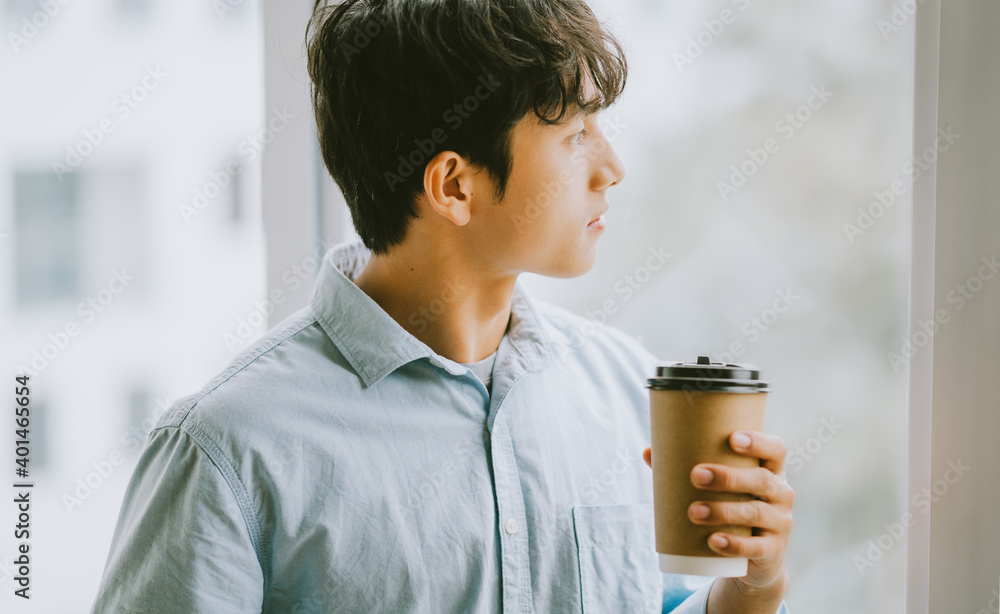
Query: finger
[(756, 481), (647, 455), (754, 514), (767, 547), (770, 449)]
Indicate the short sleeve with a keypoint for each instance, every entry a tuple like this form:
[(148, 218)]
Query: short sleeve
[(675, 601), (696, 602), (181, 543)]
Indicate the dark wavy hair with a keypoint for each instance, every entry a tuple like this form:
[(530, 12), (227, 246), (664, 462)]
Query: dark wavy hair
[(395, 82)]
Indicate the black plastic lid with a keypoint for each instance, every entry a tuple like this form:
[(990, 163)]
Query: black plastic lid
[(707, 376)]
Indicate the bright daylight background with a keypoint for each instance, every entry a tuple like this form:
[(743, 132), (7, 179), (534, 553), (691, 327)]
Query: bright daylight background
[(156, 111)]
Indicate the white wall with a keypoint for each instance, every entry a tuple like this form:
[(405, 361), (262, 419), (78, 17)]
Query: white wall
[(292, 165), (965, 521)]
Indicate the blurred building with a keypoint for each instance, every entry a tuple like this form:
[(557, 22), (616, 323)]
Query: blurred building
[(131, 243)]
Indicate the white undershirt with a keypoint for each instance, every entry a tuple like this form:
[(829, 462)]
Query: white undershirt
[(483, 370)]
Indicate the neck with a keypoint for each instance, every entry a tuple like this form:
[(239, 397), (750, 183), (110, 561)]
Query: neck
[(445, 298)]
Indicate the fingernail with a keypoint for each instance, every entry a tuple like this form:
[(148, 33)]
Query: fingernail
[(699, 511), (702, 475), (719, 541), (741, 440)]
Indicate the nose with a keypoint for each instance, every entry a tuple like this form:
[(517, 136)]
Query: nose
[(610, 169)]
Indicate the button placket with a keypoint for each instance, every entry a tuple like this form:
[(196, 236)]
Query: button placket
[(514, 559), (513, 541)]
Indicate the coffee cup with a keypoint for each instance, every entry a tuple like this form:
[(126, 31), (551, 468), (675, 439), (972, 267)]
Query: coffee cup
[(694, 408)]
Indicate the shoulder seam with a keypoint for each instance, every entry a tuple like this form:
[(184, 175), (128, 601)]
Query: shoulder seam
[(215, 453), (228, 471)]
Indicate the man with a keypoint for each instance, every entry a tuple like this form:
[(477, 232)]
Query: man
[(423, 437)]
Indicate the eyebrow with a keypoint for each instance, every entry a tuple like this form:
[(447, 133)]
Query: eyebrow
[(572, 113)]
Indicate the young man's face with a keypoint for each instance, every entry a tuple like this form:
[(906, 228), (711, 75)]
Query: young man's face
[(556, 188)]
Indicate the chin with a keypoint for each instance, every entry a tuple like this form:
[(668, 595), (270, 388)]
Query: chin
[(573, 268)]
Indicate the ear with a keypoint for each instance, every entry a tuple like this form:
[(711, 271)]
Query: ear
[(449, 184)]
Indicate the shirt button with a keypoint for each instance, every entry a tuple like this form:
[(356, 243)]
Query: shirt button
[(436, 364), (510, 526)]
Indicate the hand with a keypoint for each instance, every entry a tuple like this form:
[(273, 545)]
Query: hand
[(770, 516)]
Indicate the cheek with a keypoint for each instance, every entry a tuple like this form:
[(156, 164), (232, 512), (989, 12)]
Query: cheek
[(530, 204), (547, 189)]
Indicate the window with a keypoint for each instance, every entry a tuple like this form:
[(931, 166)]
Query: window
[(122, 305), (48, 237), (20, 8), (40, 434), (132, 9), (770, 153), (75, 230)]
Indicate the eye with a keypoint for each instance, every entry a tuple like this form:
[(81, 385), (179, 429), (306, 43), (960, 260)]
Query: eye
[(579, 136)]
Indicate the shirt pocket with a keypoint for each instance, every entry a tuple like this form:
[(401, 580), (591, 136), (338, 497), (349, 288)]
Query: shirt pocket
[(617, 552)]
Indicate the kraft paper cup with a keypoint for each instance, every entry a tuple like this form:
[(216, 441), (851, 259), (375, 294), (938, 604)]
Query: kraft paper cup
[(694, 407)]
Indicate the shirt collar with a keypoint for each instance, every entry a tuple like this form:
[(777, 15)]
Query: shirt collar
[(376, 345)]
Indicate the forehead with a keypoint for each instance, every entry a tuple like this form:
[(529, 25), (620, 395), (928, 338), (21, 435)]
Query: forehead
[(589, 93), (587, 86), (573, 111)]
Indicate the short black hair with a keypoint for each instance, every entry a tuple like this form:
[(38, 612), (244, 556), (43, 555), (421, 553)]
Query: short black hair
[(395, 82)]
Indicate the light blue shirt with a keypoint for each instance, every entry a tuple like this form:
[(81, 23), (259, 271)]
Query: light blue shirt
[(341, 465)]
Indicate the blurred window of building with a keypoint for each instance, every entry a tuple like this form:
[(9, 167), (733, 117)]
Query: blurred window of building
[(132, 8), (39, 433), (16, 9), (48, 237), (138, 406)]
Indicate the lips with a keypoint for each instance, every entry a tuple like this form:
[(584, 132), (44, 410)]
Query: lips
[(599, 217)]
